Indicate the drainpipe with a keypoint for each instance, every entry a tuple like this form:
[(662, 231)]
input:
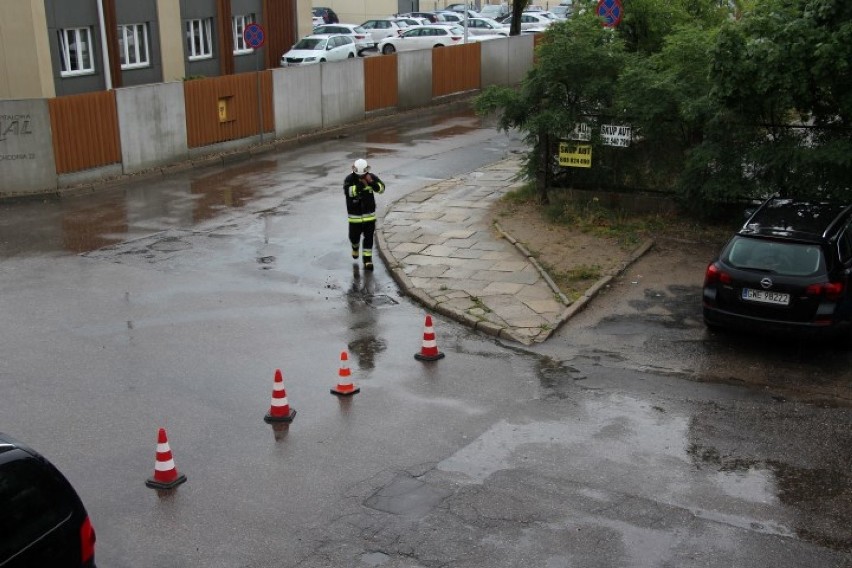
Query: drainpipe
[(104, 46)]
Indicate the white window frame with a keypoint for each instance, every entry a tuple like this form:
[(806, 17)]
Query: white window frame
[(133, 46), (204, 30), (79, 37), (239, 26)]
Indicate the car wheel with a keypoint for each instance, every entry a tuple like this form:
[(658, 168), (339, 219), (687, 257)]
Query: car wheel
[(350, 56), (322, 60), (437, 46), (388, 49)]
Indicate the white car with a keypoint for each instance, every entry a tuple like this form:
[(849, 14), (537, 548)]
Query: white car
[(319, 48), (424, 37), (359, 34), (535, 21), (382, 28), (410, 21), (486, 26)]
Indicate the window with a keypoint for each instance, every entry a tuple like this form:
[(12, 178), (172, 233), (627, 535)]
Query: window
[(133, 46), (75, 52), (33, 505), (240, 23), (199, 38)]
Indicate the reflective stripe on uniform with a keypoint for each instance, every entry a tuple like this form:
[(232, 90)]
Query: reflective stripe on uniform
[(362, 218), (353, 190)]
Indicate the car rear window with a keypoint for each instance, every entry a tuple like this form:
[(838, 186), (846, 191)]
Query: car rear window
[(776, 257), (32, 504)]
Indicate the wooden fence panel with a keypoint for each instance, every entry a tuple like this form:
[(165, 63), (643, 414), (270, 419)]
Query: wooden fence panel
[(85, 131), (226, 108), (381, 83), (455, 69)]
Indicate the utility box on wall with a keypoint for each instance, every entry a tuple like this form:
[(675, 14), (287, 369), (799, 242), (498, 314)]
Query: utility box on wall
[(225, 112)]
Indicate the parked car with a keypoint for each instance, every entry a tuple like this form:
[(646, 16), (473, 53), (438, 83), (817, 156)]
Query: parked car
[(323, 15), (42, 520), (530, 20), (411, 21), (381, 28), (359, 34), (319, 48), (486, 26), (562, 12), (423, 37), (787, 268), (457, 7), (494, 11), (426, 15), (449, 17)]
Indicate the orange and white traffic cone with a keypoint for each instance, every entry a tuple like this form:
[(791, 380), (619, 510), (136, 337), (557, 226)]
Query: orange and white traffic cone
[(345, 386), (429, 351), (279, 410), (166, 475)]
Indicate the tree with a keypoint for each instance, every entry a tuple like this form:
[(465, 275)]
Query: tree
[(578, 64), (782, 84)]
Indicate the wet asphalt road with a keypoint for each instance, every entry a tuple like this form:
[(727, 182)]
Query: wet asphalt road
[(170, 303)]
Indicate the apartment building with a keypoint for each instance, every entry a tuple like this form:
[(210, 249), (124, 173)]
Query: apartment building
[(53, 48)]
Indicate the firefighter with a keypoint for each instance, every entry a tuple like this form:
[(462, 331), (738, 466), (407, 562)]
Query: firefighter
[(360, 188)]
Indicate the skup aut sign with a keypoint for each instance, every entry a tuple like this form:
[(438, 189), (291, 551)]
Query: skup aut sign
[(613, 135), (573, 155)]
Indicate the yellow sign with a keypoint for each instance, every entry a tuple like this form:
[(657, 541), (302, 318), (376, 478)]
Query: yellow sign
[(223, 110), (575, 155)]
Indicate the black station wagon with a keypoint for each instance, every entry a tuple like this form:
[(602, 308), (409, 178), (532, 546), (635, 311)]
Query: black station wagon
[(788, 268), (43, 523)]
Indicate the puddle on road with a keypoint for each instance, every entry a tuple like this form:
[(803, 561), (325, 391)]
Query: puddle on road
[(638, 448), (408, 496)]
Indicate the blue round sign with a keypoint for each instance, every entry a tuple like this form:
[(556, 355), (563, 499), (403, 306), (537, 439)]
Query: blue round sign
[(610, 11), (254, 35)]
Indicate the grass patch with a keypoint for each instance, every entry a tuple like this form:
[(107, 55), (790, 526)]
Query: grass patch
[(576, 281), (592, 217)]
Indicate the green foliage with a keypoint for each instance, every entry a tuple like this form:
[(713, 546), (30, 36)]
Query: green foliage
[(727, 100)]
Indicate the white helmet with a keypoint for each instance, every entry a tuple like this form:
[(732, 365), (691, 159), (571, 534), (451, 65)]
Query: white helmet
[(360, 166)]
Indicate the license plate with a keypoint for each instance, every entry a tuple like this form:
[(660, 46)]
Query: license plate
[(766, 297)]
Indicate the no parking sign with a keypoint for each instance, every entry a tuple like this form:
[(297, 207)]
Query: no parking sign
[(610, 11), (254, 35)]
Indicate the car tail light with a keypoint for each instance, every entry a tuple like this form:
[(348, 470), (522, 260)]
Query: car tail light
[(87, 541), (829, 290), (360, 37), (455, 38), (715, 274)]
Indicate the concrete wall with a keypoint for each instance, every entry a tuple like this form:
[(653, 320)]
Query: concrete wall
[(296, 106), (152, 125), (152, 118), (495, 62), (342, 92), (521, 51), (27, 164), (414, 77)]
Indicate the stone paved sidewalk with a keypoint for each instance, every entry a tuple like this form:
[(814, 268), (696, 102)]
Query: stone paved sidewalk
[(441, 248)]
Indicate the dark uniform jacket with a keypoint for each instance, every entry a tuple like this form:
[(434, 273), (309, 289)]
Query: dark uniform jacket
[(360, 197)]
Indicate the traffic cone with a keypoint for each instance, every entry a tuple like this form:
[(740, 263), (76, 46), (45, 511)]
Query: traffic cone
[(345, 386), (279, 410), (165, 473), (429, 351)]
